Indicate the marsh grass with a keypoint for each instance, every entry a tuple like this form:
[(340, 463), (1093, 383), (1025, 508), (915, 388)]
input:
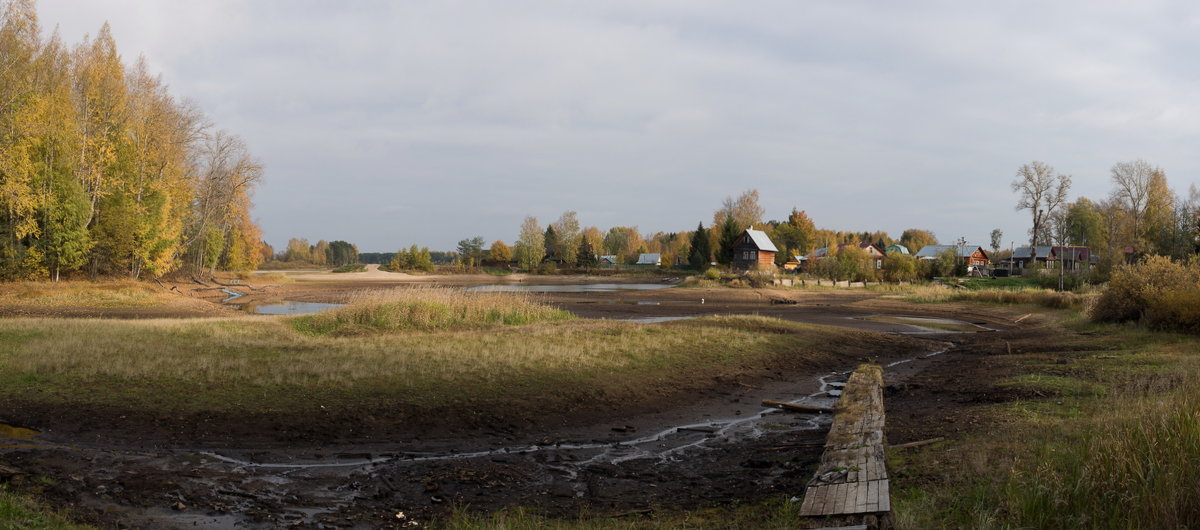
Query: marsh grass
[(429, 309), (926, 294)]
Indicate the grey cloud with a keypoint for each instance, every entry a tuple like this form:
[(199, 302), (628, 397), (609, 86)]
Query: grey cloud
[(389, 123)]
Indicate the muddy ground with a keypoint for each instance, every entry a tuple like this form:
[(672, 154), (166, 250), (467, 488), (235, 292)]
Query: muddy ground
[(714, 447)]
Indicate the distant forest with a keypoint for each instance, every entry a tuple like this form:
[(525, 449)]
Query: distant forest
[(104, 172)]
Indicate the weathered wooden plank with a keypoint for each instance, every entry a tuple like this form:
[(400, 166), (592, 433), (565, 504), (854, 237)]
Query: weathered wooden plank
[(822, 494), (885, 497), (849, 495), (809, 496), (852, 476), (860, 504)]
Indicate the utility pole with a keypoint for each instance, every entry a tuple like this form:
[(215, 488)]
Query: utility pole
[(961, 242)]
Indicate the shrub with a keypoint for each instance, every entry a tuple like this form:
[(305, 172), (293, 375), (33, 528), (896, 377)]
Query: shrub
[(1158, 293), (760, 278), (712, 274)]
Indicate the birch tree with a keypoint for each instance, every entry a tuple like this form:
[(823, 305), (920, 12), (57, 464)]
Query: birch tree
[(531, 245), (1041, 191)]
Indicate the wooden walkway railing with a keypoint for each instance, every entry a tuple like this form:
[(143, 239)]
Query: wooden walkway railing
[(852, 478)]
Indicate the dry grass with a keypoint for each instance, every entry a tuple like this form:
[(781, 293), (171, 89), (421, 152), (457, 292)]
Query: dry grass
[(429, 308), (1040, 297), (252, 362), (1108, 440), (267, 351), (77, 293)]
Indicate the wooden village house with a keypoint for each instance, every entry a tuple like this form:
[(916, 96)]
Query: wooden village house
[(649, 260), (974, 255), (871, 249), (753, 250), (1023, 257)]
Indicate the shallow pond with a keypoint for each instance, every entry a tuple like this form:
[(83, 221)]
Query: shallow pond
[(571, 288), (288, 307)]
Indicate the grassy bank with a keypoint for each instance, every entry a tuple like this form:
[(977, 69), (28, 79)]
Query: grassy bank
[(777, 514), (114, 294), (1105, 433), (490, 351)]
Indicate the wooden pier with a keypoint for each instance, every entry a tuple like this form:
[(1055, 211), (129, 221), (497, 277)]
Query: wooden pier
[(852, 478)]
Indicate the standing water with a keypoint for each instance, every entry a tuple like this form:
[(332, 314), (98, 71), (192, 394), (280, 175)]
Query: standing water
[(571, 288), (288, 307)]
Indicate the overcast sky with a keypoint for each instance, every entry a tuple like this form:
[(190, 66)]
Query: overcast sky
[(393, 123)]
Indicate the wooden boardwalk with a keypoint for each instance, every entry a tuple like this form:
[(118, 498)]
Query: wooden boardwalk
[(852, 478)]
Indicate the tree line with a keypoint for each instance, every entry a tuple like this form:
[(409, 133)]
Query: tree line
[(103, 171), (564, 242), (1141, 215)]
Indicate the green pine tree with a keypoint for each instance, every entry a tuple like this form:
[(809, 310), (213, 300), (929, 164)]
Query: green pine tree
[(701, 255)]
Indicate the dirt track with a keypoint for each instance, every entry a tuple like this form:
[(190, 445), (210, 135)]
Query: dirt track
[(611, 462)]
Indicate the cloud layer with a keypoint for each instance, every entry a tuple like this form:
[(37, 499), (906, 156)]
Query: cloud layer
[(391, 123)]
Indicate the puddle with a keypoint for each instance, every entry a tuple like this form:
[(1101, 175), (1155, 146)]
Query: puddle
[(652, 320), (574, 288), (913, 359), (16, 433), (291, 308), (928, 325)]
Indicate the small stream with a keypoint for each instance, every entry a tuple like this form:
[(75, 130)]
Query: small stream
[(328, 484), (661, 446)]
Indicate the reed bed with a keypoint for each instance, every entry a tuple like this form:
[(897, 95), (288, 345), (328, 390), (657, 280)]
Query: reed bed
[(431, 308), (1040, 297)]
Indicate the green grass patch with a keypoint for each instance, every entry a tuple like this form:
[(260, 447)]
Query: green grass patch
[(19, 512), (1011, 283), (779, 513)]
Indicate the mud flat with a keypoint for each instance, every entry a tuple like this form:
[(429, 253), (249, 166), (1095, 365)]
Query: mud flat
[(709, 443)]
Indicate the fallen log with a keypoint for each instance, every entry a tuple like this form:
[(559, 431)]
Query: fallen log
[(794, 407), (917, 443)]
